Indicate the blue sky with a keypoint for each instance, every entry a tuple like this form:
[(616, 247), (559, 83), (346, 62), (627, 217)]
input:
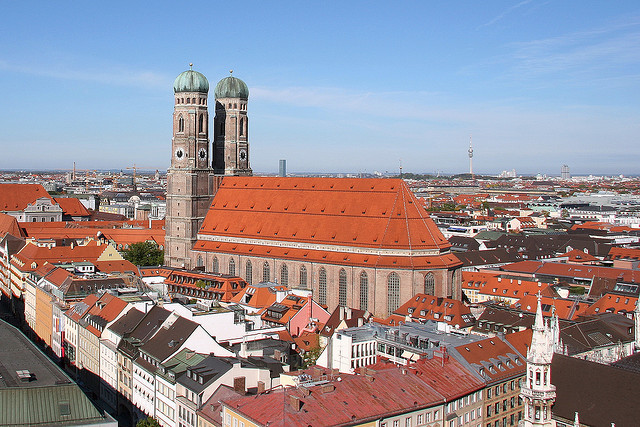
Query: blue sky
[(357, 86)]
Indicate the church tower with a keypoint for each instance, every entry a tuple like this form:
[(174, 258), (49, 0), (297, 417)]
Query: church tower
[(231, 125), (537, 392), (189, 175)]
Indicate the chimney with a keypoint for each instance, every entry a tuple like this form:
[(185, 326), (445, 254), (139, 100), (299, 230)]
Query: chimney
[(295, 402), (260, 387), (328, 388), (239, 385)]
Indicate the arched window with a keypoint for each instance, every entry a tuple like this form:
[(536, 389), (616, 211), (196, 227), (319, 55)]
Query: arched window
[(180, 124), (232, 267), (284, 275), (455, 283), (241, 126), (215, 265), (322, 286), (303, 277), (429, 284), (249, 273), (393, 292), (342, 288), (266, 272), (201, 123), (200, 262), (364, 291)]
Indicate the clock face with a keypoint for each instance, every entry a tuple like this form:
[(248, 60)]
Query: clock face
[(243, 154), (202, 154), (179, 153)]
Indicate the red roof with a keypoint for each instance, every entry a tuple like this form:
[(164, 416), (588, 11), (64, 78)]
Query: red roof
[(624, 253), (31, 253), (493, 352), (498, 287), (383, 391), (578, 256), (72, 206), (16, 197), (565, 308), (108, 307), (424, 307), (9, 224), (613, 303), (377, 214)]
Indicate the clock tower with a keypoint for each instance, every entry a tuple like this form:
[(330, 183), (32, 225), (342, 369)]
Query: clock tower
[(230, 128), (189, 177)]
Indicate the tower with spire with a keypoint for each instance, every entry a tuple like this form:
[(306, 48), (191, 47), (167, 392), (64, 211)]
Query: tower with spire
[(537, 392)]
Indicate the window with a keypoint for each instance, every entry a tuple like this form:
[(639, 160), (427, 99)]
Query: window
[(249, 272), (180, 124), (215, 265), (266, 272), (201, 123), (200, 262), (364, 291), (393, 292), (322, 286), (407, 422), (284, 275), (303, 277), (488, 410), (232, 267), (241, 126), (429, 284), (342, 288)]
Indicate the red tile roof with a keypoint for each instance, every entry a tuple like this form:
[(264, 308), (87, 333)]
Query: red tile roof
[(334, 212), (612, 303), (9, 224), (498, 287), (424, 307), (578, 256), (72, 206), (16, 197), (624, 253), (565, 308), (31, 253), (496, 356)]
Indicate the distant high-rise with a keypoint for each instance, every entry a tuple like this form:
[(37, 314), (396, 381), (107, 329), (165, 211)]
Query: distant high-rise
[(564, 174), (470, 158), (283, 168)]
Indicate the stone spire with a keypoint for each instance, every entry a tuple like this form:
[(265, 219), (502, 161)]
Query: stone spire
[(537, 392)]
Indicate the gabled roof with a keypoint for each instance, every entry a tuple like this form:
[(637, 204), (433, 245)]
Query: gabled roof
[(127, 322), (168, 339), (423, 307), (350, 317), (624, 253), (564, 308), (72, 206), (612, 302), (258, 296), (16, 197), (106, 309), (327, 214), (493, 359), (9, 224), (32, 253)]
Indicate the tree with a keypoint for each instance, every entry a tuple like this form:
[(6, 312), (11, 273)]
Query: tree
[(310, 356), (144, 253), (148, 422)]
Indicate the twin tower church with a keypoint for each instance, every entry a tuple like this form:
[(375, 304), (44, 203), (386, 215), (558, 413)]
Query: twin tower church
[(362, 243)]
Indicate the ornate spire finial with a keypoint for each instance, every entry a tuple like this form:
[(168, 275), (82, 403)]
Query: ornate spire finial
[(191, 65)]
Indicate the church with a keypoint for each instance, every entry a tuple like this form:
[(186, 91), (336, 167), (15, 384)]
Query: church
[(361, 243)]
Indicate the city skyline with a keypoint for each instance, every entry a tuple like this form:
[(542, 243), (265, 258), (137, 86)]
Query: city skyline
[(333, 88)]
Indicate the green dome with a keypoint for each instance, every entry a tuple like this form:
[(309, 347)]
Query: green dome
[(191, 81), (231, 87)]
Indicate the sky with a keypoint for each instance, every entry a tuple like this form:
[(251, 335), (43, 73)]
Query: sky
[(354, 86)]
